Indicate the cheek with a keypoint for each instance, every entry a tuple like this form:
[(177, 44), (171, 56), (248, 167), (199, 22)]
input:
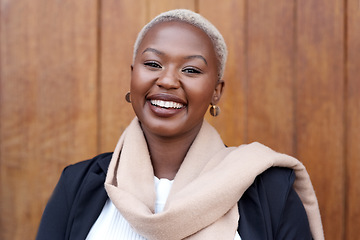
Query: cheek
[(138, 90), (200, 95), (140, 83)]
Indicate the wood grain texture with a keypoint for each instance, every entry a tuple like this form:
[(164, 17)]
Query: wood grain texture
[(120, 23), (320, 105), (156, 7), (229, 18), (270, 51), (47, 103), (292, 82), (353, 122)]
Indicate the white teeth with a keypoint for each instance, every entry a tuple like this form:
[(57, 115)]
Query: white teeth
[(166, 104)]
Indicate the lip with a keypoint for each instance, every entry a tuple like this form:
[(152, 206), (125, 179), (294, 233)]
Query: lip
[(167, 97), (165, 112)]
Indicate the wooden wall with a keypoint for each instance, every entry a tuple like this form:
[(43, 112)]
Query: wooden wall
[(292, 82)]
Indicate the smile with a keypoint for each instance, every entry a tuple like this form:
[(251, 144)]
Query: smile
[(166, 104)]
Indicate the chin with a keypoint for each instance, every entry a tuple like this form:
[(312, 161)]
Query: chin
[(164, 129), (173, 129)]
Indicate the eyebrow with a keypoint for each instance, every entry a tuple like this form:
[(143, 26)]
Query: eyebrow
[(161, 53), (197, 56), (153, 50)]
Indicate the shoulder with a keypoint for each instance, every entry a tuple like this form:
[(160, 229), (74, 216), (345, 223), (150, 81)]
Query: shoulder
[(261, 204), (271, 188), (274, 186), (74, 174), (74, 177), (98, 163), (276, 180), (76, 189), (271, 208)]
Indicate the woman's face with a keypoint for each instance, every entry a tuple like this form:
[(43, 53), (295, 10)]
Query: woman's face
[(174, 79)]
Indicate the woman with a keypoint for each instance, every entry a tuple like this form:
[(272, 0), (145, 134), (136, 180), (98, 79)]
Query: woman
[(170, 176)]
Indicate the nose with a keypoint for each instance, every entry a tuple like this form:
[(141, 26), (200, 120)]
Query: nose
[(169, 79)]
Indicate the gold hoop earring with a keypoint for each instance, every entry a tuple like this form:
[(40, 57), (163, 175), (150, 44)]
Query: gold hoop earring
[(128, 97), (214, 110)]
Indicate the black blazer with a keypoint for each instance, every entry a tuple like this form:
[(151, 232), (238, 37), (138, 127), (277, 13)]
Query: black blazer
[(269, 209)]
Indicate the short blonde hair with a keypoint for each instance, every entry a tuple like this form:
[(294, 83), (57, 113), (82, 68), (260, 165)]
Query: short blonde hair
[(195, 19)]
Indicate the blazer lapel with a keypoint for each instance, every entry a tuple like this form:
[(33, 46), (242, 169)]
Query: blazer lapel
[(89, 201)]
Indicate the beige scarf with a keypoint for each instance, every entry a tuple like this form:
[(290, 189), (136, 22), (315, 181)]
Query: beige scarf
[(202, 203)]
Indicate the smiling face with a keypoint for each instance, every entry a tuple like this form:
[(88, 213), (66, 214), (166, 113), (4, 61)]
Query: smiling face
[(174, 79)]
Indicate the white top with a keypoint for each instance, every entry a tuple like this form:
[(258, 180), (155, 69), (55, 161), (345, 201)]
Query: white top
[(111, 225)]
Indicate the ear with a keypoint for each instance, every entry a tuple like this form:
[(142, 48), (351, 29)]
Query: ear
[(218, 91)]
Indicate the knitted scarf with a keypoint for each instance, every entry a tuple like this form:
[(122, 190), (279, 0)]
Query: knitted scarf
[(202, 203)]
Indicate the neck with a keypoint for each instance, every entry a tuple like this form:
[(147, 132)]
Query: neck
[(168, 153)]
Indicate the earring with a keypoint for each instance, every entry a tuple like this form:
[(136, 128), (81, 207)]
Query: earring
[(127, 97), (214, 110)]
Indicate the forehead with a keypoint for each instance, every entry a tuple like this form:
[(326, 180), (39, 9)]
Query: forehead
[(178, 35)]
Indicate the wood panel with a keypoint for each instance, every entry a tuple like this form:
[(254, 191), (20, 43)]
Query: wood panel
[(47, 103), (353, 122), (320, 105), (292, 82), (270, 51), (156, 7), (120, 23), (229, 18)]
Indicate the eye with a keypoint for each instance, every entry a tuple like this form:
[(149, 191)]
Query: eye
[(152, 64), (191, 70)]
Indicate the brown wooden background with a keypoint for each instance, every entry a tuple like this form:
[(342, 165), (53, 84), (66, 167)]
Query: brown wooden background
[(292, 82)]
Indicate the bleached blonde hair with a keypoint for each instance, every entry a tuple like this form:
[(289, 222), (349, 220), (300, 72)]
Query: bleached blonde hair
[(195, 19)]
